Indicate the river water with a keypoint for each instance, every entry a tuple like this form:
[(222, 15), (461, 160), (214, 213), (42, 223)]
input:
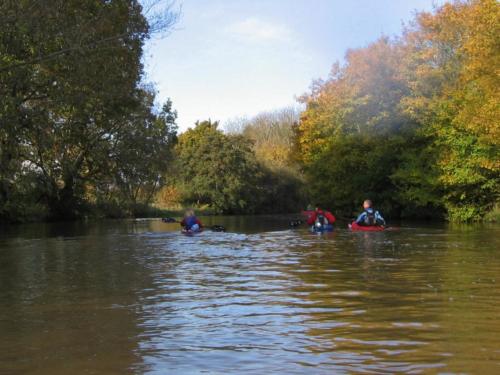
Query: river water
[(118, 297)]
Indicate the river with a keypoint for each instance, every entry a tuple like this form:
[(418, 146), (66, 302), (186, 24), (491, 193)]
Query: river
[(116, 297)]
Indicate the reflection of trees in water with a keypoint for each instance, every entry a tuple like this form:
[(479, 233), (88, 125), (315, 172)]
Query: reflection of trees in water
[(469, 293), (99, 297), (251, 223), (376, 304), (69, 303)]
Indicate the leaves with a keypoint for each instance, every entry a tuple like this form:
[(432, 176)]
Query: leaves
[(74, 120), (217, 169), (426, 106)]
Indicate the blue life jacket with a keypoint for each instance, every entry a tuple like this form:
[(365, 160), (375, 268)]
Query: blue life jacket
[(321, 220), (190, 221), (370, 217)]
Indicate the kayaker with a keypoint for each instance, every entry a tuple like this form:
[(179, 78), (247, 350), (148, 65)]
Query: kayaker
[(320, 217), (370, 216), (191, 222)]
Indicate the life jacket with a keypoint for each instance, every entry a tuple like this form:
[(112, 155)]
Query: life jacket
[(190, 221), (370, 218), (321, 220)]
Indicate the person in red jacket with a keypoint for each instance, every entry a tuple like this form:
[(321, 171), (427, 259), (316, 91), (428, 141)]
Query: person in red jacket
[(318, 216)]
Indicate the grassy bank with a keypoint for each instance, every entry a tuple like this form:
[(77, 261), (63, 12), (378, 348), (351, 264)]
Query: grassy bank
[(494, 215)]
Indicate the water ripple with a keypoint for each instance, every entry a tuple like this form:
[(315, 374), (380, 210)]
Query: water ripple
[(126, 299)]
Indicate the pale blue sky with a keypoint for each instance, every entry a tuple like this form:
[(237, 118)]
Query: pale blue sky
[(235, 58)]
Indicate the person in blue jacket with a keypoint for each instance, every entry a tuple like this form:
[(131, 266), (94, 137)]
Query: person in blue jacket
[(370, 217), (191, 222)]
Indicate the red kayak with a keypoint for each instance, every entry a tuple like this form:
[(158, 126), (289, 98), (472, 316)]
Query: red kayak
[(365, 228)]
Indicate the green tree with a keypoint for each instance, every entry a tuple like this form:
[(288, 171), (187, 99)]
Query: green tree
[(217, 169), (143, 153)]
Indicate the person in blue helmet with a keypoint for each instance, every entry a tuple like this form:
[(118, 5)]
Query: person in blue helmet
[(370, 216)]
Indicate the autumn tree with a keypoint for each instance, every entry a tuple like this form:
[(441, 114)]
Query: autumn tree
[(272, 135), (412, 122), (353, 129), (452, 64)]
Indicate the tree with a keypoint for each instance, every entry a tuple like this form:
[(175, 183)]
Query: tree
[(452, 67), (272, 135), (425, 105), (217, 169), (69, 86), (143, 152), (353, 129)]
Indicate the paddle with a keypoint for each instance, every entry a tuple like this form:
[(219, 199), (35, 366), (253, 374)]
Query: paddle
[(169, 220), (295, 223), (214, 228)]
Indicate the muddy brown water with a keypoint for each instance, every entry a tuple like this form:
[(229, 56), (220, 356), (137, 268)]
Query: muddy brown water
[(118, 297)]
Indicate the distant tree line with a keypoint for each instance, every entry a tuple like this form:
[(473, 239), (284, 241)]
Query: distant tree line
[(410, 122), (248, 171)]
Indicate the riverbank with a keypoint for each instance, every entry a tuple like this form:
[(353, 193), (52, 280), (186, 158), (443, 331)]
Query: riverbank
[(39, 214), (140, 211)]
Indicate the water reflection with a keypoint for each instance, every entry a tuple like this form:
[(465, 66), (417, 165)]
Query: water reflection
[(136, 296)]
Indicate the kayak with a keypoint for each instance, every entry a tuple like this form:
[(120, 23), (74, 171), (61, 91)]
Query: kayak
[(217, 228), (190, 232), (168, 220), (322, 229), (365, 228)]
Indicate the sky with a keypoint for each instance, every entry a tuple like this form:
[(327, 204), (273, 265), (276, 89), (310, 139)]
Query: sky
[(228, 59)]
